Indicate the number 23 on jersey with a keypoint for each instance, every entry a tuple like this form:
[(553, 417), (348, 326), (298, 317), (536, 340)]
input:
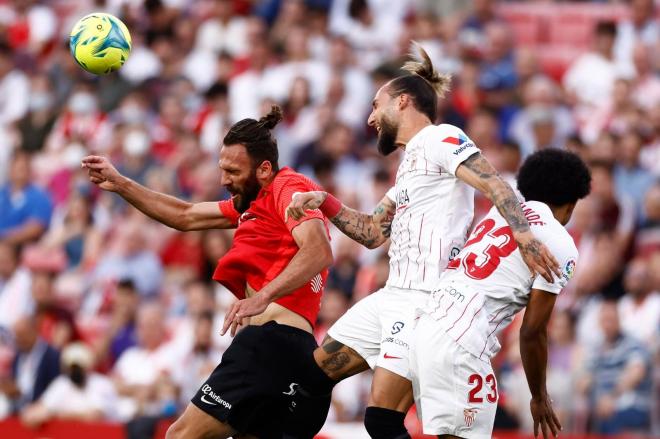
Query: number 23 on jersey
[(500, 244)]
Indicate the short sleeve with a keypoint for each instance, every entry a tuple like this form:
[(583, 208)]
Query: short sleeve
[(229, 211), (567, 256), (448, 146), (41, 207), (391, 194), (283, 195)]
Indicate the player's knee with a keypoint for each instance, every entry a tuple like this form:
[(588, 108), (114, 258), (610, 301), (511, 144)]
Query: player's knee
[(176, 430), (385, 423)]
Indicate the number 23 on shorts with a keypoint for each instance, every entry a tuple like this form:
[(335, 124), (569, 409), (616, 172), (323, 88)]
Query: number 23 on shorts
[(475, 395)]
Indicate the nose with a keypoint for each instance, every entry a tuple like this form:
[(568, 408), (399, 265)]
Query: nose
[(372, 120)]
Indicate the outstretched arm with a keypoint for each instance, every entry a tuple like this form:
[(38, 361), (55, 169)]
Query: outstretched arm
[(480, 174), (534, 354), (370, 230), (166, 209)]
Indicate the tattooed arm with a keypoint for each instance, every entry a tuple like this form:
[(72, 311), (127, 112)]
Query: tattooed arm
[(480, 174), (370, 230)]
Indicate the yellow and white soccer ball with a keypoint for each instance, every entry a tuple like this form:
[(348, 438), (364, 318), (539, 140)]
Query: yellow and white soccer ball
[(100, 43)]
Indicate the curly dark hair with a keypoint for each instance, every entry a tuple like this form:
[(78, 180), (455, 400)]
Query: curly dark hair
[(554, 177), (257, 138)]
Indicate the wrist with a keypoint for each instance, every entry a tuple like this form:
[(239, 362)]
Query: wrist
[(330, 206), (121, 183)]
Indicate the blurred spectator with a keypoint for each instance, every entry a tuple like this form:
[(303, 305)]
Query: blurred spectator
[(35, 365), (222, 30), (76, 233), (14, 89), (40, 119), (15, 282), (201, 357), (642, 26), (26, 208), (647, 240), (130, 259), (639, 308), (646, 84), (541, 99), (121, 333), (629, 177), (55, 322), (590, 79), (619, 380), (79, 394), (31, 26), (142, 374)]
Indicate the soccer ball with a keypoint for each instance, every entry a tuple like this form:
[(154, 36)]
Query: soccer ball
[(100, 43)]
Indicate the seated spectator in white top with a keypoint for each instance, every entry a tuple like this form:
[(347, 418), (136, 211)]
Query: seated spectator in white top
[(590, 79), (79, 394), (639, 308), (15, 284), (642, 26), (142, 374), (646, 84)]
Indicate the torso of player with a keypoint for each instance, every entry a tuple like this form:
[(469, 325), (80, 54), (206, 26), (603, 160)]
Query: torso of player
[(278, 313), (434, 209), (488, 283)]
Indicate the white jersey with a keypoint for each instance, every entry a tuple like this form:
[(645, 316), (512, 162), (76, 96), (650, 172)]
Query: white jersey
[(434, 209), (486, 285)]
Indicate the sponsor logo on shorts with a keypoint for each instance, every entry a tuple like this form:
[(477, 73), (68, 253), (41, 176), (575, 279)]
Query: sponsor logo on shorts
[(469, 415), (396, 341), (292, 389), (209, 393), (388, 356), (397, 327)]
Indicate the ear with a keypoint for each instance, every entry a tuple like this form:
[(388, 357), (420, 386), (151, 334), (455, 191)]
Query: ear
[(264, 170), (403, 100)]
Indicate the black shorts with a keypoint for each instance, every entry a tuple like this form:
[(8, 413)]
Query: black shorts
[(256, 387)]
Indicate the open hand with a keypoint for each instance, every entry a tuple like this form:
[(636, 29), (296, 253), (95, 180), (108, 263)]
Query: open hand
[(302, 201), (544, 417), (243, 309)]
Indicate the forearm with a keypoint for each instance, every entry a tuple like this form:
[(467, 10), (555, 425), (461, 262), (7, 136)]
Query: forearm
[(534, 354), (630, 378), (161, 207), (360, 227), (305, 264), (507, 204), (27, 232)]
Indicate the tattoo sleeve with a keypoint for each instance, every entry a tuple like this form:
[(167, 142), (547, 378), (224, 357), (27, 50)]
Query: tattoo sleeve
[(498, 192), (369, 230)]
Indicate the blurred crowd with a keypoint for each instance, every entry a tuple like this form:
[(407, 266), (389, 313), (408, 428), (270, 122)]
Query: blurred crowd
[(106, 315)]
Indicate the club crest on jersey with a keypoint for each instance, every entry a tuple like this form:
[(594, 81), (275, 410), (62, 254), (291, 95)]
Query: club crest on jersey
[(469, 415), (569, 269)]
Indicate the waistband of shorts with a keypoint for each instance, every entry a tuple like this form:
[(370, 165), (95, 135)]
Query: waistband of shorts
[(285, 328)]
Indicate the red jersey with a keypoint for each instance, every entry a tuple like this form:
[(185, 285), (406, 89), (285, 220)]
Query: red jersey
[(263, 245)]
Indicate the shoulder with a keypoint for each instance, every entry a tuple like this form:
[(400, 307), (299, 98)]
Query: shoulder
[(290, 178)]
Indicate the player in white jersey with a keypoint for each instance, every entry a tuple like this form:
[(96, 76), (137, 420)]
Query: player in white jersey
[(426, 215), (481, 291)]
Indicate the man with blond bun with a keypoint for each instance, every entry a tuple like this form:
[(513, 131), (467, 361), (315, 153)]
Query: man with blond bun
[(426, 215)]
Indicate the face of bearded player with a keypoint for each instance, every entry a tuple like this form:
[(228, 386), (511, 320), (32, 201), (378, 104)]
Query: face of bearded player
[(383, 117), (239, 176)]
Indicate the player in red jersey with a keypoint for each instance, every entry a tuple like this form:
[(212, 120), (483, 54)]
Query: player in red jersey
[(278, 266)]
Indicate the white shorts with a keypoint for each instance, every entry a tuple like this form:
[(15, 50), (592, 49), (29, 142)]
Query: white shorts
[(379, 327), (455, 392)]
